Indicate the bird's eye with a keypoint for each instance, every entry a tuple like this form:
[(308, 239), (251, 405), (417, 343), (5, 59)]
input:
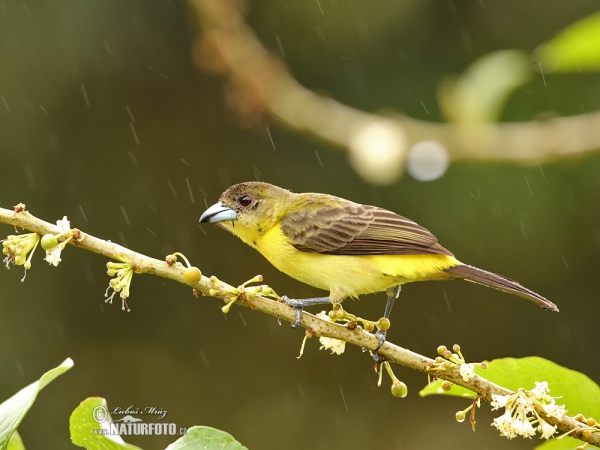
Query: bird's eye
[(245, 200)]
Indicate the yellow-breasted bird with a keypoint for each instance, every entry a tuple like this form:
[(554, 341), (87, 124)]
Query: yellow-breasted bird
[(344, 247)]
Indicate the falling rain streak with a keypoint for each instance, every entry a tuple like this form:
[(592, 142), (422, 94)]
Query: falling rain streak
[(125, 215), (5, 104), (270, 137), (281, 50), (187, 182), (528, 186), (343, 398), (82, 213), (173, 191), (135, 136), (319, 159), (86, 99)]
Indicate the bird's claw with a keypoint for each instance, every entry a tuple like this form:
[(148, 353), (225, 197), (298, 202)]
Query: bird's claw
[(296, 304), (380, 334)]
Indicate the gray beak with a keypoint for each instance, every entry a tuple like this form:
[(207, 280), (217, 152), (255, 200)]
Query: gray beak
[(218, 213)]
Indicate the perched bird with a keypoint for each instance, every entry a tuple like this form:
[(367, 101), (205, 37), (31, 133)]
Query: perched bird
[(344, 247)]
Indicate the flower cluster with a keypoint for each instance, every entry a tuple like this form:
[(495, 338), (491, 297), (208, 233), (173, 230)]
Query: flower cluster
[(520, 417), (19, 249), (337, 346), (447, 359), (51, 242), (242, 292), (122, 273)]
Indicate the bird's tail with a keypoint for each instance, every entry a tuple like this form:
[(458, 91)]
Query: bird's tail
[(492, 280)]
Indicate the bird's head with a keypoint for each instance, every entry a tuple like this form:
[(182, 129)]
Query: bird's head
[(248, 208)]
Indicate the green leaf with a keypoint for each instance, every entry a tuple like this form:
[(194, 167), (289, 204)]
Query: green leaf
[(92, 414), (577, 391), (16, 443), (575, 48), (480, 93), (206, 438), (567, 443), (14, 409)]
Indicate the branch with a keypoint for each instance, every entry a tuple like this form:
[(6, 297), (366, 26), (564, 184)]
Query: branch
[(140, 263), (379, 145)]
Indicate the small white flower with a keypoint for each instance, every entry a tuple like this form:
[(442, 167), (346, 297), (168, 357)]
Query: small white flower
[(64, 225), (467, 371), (523, 427), (546, 429), (336, 346), (53, 256), (541, 390), (499, 401), (504, 425), (554, 410)]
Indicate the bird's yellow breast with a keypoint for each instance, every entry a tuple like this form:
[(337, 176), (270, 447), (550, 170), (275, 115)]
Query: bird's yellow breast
[(348, 275)]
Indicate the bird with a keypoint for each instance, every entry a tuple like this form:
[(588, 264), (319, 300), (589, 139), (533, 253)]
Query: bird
[(343, 247)]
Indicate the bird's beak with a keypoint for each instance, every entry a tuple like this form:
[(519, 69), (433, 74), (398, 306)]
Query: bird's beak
[(218, 213)]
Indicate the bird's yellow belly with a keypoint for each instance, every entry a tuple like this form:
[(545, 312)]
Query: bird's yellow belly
[(350, 275)]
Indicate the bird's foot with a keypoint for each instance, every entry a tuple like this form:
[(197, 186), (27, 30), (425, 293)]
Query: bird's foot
[(380, 335), (299, 304)]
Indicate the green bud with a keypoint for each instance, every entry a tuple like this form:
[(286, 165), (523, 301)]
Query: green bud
[(399, 390), (441, 350), (191, 276), (49, 242), (383, 324), (460, 416)]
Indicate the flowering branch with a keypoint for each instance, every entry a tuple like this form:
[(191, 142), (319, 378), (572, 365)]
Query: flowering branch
[(449, 366)]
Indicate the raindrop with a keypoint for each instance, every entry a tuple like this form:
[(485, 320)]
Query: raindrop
[(204, 359), (187, 182), (173, 191), (151, 207), (107, 46), (130, 114), (319, 159), (82, 213), (132, 157), (29, 176), (424, 107), (42, 108), (447, 300), (242, 317), (122, 237), (270, 137), (320, 9), (281, 50), (5, 104), (135, 136), (343, 398), (86, 99), (528, 186), (124, 214), (151, 232)]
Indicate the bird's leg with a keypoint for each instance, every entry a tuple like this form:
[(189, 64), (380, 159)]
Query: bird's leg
[(392, 294), (298, 304)]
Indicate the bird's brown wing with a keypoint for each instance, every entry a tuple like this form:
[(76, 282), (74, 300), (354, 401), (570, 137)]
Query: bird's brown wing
[(354, 229)]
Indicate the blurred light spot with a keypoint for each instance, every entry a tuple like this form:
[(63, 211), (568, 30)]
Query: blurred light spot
[(377, 150), (427, 160)]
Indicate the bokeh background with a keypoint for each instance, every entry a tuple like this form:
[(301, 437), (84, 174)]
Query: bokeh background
[(105, 119)]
